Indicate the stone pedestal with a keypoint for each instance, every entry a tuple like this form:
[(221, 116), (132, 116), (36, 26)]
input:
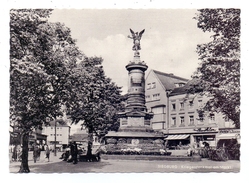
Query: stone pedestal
[(135, 130)]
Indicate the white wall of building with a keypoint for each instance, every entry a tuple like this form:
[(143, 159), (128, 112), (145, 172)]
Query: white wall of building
[(62, 134)]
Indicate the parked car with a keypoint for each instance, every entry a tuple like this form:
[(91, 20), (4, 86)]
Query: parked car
[(97, 150)]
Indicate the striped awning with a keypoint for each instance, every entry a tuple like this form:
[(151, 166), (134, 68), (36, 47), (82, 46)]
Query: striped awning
[(176, 137)]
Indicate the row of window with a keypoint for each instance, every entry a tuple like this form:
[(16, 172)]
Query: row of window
[(151, 85), (56, 134), (58, 128), (182, 104), (191, 120), (155, 96)]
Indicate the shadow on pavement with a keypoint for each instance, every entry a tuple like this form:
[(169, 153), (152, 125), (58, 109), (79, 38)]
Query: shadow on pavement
[(62, 167)]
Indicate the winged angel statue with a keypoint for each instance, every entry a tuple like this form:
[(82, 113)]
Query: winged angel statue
[(136, 39)]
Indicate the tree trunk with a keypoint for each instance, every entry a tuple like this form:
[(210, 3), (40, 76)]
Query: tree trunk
[(89, 146), (24, 168)]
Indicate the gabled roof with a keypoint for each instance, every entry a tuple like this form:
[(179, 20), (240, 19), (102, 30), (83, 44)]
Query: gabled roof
[(169, 80)]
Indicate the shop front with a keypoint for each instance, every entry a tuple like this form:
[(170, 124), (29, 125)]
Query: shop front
[(201, 139), (229, 139), (225, 136), (37, 139), (194, 137), (177, 141)]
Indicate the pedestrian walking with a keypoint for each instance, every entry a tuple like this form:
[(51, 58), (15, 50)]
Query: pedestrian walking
[(14, 154), (19, 153), (35, 153), (47, 151)]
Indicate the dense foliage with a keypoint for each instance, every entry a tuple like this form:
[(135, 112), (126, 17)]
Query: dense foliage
[(48, 72), (96, 99), (219, 70)]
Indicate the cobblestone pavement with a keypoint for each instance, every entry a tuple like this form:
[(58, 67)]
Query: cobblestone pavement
[(55, 165)]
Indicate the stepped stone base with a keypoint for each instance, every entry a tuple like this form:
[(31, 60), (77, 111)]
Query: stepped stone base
[(146, 157)]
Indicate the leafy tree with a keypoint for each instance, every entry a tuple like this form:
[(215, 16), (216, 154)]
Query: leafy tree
[(41, 56), (47, 72), (219, 70), (96, 98)]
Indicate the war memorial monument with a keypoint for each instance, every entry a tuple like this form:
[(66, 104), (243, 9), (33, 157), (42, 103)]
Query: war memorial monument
[(135, 131)]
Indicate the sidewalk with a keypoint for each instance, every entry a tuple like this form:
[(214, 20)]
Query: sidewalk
[(56, 165), (14, 166)]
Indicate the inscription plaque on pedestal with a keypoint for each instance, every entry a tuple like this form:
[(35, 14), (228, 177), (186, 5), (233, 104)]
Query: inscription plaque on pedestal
[(135, 121)]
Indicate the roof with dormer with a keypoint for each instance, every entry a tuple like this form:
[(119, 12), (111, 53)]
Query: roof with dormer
[(169, 80), (190, 87)]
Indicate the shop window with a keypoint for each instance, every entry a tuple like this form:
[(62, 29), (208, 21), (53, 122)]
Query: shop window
[(173, 107), (173, 121), (191, 120)]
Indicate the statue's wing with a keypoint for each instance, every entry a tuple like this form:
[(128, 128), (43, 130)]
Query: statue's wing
[(140, 34), (132, 32)]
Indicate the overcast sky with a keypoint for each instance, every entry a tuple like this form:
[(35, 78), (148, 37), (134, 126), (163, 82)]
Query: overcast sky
[(168, 44)]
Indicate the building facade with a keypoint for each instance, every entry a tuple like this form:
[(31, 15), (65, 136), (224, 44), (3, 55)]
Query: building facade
[(176, 111), (157, 87), (35, 138), (62, 133)]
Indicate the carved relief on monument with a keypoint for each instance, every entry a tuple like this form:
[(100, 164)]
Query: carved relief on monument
[(135, 141)]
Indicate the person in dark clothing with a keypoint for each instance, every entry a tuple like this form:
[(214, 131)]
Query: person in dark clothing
[(66, 154), (70, 158), (89, 151), (35, 153), (206, 145), (47, 152), (14, 155), (75, 153)]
